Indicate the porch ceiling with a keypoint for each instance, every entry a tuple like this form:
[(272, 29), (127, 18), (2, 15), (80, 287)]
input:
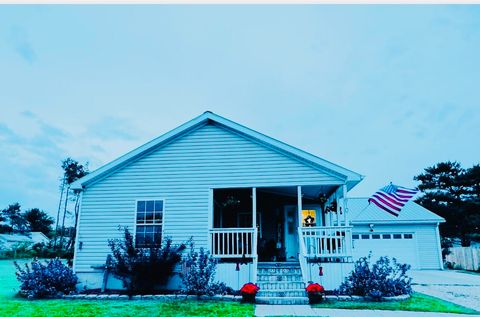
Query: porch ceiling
[(310, 191)]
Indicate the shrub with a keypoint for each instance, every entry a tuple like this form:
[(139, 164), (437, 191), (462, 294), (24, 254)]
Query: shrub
[(48, 279), (141, 270), (198, 276), (384, 278)]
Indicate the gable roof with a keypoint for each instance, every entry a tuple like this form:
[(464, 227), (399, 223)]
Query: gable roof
[(361, 212), (351, 178)]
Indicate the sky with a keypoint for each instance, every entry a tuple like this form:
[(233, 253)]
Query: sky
[(382, 90)]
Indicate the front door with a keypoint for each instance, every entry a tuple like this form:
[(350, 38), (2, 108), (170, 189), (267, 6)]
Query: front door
[(290, 233)]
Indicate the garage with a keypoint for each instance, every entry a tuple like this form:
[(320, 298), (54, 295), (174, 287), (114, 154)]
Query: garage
[(381, 244), (411, 238)]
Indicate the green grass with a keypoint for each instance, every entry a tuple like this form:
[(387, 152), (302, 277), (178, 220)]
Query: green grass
[(418, 302), (16, 307)]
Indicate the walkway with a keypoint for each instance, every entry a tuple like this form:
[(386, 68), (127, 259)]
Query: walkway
[(306, 310), (456, 287)]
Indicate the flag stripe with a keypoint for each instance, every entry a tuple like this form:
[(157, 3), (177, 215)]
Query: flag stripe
[(385, 202), (407, 191), (391, 198), (386, 209)]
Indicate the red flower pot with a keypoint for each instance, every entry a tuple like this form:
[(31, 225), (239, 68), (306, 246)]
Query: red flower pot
[(249, 291)]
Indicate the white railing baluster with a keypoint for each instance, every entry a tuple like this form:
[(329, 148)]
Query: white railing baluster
[(232, 242), (331, 241)]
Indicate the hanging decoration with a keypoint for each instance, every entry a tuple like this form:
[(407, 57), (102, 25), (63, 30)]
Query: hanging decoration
[(332, 207), (231, 201), (242, 261), (320, 271), (322, 199)]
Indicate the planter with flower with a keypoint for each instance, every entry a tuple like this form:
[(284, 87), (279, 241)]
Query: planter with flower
[(315, 293), (249, 291)]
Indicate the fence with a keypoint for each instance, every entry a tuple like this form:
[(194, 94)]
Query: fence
[(465, 258)]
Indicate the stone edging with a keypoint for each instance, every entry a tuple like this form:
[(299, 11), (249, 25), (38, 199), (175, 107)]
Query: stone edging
[(230, 298), (151, 297), (361, 298)]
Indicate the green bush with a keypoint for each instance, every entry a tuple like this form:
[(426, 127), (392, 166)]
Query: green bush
[(384, 278), (141, 270), (198, 278), (48, 279)]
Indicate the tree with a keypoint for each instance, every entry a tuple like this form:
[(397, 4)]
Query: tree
[(13, 217), (38, 220), (72, 170), (453, 193)]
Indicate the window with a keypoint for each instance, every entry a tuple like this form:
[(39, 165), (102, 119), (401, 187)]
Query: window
[(387, 236), (397, 236), (149, 223), (408, 236), (375, 236), (355, 236), (365, 236)]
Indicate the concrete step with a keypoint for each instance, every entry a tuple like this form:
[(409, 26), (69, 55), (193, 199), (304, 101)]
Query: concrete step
[(276, 285), (282, 293), (279, 270), (282, 300), (279, 278)]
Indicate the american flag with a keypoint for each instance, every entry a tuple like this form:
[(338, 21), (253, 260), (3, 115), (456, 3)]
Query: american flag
[(392, 198)]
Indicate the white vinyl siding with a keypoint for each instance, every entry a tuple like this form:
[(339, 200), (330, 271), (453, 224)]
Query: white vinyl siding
[(182, 172)]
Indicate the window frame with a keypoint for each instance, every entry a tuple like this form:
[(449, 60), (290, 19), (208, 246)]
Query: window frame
[(135, 224)]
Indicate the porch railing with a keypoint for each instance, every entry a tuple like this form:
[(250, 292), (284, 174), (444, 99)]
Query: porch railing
[(323, 242), (233, 242)]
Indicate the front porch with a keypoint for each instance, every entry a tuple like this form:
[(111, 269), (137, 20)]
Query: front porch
[(302, 224)]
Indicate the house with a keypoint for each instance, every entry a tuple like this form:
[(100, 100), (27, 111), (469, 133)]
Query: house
[(245, 197), (14, 240)]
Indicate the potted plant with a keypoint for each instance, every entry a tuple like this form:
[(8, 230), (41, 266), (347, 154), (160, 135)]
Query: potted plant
[(249, 291), (315, 293)]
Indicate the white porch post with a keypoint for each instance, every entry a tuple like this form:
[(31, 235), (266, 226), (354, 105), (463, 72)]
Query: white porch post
[(255, 234), (254, 207), (344, 205), (299, 205), (211, 210)]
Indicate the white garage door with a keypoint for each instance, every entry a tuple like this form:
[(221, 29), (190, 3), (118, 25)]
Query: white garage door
[(401, 246)]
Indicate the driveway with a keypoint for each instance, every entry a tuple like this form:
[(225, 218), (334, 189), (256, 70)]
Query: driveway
[(306, 310), (456, 287)]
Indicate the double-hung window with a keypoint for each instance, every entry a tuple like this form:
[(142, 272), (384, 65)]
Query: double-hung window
[(149, 223)]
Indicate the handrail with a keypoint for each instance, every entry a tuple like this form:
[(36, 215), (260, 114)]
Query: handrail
[(302, 256), (231, 229)]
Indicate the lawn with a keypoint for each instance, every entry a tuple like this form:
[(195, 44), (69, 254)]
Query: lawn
[(17, 307), (418, 302), (12, 306)]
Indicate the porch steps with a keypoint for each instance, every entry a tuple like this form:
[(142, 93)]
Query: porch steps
[(280, 283)]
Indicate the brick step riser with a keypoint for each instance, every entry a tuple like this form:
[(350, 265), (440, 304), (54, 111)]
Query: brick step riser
[(279, 278), (285, 293), (280, 285)]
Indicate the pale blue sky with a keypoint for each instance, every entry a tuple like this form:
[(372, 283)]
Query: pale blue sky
[(382, 90)]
